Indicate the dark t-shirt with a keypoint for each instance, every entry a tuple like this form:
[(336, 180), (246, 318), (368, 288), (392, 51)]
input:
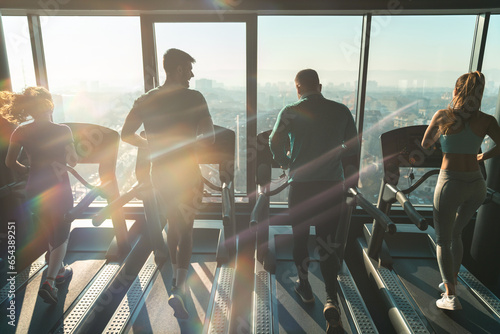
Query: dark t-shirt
[(171, 119), (46, 146), (317, 130)]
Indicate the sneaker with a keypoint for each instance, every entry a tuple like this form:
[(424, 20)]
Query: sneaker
[(333, 321), (303, 289), (48, 293), (448, 302), (65, 273), (176, 301)]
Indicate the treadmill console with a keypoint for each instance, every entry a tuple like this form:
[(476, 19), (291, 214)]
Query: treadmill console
[(402, 148)]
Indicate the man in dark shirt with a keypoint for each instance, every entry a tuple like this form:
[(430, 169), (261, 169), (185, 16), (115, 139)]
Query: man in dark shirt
[(176, 119), (310, 137)]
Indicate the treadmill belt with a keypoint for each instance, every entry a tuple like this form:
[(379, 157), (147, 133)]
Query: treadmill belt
[(473, 318), (156, 316), (294, 315), (33, 315)]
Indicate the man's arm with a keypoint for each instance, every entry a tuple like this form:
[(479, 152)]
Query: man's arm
[(205, 133), (279, 140), (350, 156), (131, 125), (351, 139), (71, 155)]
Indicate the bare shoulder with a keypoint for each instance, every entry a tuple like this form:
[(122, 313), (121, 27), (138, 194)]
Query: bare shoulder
[(439, 115), (485, 119)]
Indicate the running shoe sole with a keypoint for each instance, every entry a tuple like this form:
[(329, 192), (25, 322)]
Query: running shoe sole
[(177, 304), (305, 300), (47, 296), (332, 316)]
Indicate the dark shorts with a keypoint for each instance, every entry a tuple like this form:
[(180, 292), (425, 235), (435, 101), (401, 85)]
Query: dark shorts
[(180, 204)]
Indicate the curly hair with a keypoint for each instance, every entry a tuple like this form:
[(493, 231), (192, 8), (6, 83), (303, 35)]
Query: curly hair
[(6, 98), (469, 90), (19, 108)]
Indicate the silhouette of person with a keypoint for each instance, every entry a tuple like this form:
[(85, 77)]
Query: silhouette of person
[(48, 147), (318, 133), (176, 119)]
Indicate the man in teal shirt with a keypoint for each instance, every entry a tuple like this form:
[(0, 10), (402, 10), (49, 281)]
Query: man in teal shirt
[(310, 137)]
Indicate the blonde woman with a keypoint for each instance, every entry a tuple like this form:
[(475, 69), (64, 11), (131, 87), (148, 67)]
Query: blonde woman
[(460, 188), (48, 147)]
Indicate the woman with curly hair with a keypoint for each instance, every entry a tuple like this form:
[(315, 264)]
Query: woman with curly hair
[(48, 147), (460, 188)]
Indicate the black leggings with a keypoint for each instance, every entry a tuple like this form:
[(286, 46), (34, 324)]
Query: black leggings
[(318, 204)]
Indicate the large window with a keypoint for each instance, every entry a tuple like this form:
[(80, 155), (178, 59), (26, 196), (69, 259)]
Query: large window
[(413, 64), (219, 49), (288, 44), (491, 71), (94, 69), (17, 38)]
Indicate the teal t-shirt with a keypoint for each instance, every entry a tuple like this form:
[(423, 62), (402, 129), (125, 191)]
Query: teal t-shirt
[(317, 131)]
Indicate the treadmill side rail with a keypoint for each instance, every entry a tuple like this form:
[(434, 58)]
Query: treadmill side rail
[(401, 309), (361, 317), (80, 310), (221, 312), (262, 303)]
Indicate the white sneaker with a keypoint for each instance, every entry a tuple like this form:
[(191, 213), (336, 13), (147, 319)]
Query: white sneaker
[(448, 302)]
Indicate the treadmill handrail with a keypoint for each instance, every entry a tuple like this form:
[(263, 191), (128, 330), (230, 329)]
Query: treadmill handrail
[(257, 213), (415, 217), (420, 181), (82, 205), (79, 177), (279, 189), (210, 184), (227, 203), (118, 203), (372, 210), (15, 188), (492, 196)]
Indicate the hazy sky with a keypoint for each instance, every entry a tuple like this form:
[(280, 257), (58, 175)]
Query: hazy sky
[(87, 50)]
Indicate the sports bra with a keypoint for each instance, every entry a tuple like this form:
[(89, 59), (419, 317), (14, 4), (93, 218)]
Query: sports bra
[(463, 142)]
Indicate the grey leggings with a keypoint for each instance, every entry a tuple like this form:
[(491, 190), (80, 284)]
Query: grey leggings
[(457, 197)]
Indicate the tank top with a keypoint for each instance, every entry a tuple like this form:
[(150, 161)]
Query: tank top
[(463, 142)]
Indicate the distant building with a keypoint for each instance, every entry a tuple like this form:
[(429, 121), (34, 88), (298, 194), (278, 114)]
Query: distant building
[(203, 84), (404, 120)]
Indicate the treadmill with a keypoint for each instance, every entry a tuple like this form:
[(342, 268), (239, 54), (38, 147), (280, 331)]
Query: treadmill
[(404, 266), (144, 308), (98, 256), (276, 307)]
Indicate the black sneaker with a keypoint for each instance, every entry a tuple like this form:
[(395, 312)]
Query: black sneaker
[(64, 274), (303, 289), (333, 321), (176, 301), (48, 293)]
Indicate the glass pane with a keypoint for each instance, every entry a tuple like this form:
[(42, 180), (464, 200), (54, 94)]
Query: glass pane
[(491, 71), (413, 64), (219, 74), (17, 38), (288, 44), (94, 68)]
